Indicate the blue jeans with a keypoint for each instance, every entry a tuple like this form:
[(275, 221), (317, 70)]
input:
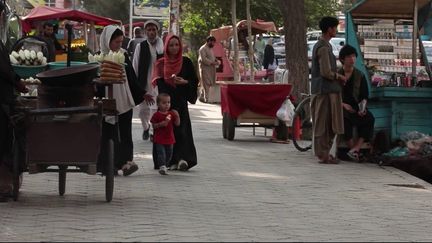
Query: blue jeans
[(164, 153)]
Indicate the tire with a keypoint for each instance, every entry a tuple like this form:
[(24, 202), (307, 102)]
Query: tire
[(230, 127), (224, 125), (302, 115), (62, 180), (16, 172), (109, 173)]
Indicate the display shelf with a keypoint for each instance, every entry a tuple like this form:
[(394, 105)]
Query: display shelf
[(386, 46)]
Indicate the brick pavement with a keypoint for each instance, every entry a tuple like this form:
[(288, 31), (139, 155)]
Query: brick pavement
[(245, 190)]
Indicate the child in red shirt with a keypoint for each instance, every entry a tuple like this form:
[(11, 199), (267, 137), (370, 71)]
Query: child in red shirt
[(163, 137)]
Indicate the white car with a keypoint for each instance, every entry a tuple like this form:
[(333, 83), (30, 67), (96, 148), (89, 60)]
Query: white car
[(310, 45), (279, 49)]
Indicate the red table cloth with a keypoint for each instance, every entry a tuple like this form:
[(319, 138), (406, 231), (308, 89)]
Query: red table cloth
[(261, 98)]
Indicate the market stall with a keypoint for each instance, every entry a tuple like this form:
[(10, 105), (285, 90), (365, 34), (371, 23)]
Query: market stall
[(386, 33), (84, 24), (223, 49)]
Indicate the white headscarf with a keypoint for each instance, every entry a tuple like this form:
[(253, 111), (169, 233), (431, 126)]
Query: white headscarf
[(105, 37), (121, 92)]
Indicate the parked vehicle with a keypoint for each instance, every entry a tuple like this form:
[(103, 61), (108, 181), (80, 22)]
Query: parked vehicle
[(310, 45), (279, 49), (276, 38), (315, 35)]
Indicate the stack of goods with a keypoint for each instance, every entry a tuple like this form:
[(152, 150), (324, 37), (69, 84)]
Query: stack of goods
[(111, 65), (27, 58), (111, 71)]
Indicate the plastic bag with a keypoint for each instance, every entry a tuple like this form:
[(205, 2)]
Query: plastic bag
[(286, 112)]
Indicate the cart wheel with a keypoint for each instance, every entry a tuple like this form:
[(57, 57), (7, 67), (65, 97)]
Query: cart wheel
[(230, 127), (16, 172), (224, 125), (62, 180), (109, 173)]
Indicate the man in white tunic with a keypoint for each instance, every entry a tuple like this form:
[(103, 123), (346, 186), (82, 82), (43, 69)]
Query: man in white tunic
[(207, 67), (145, 56)]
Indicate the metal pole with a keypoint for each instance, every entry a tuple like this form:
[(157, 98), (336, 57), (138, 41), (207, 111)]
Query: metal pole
[(251, 50), (131, 6), (236, 57), (414, 45)]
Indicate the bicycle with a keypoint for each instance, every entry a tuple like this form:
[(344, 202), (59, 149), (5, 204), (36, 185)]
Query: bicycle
[(302, 117)]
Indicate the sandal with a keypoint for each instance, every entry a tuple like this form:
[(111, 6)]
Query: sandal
[(329, 160), (354, 155), (333, 160), (129, 168)]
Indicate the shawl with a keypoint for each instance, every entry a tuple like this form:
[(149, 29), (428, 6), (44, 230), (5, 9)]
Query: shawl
[(167, 66)]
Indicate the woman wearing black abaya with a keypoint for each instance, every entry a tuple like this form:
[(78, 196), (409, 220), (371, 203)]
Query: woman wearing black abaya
[(175, 75)]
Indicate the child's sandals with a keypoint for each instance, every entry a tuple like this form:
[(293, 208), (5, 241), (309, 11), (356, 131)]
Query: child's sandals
[(354, 155)]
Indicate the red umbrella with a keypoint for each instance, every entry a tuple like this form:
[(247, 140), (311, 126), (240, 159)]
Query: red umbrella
[(42, 13)]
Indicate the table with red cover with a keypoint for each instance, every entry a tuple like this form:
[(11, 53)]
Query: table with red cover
[(261, 98)]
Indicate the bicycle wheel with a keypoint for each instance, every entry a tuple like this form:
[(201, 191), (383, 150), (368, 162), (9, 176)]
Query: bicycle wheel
[(302, 126)]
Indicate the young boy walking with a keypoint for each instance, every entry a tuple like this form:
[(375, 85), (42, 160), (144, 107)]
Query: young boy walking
[(163, 122)]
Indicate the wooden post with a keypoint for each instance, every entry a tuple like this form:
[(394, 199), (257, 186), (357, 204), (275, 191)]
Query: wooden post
[(251, 49), (235, 36), (414, 45)]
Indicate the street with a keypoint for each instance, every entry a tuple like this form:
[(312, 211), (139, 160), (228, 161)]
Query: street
[(248, 189)]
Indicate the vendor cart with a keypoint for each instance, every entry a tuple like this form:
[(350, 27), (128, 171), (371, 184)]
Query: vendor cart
[(252, 105), (386, 34), (63, 128)]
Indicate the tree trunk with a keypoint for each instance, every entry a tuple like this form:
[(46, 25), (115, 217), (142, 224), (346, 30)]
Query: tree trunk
[(293, 12), (235, 36)]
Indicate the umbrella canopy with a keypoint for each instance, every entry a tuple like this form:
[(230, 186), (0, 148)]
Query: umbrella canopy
[(224, 32), (42, 13)]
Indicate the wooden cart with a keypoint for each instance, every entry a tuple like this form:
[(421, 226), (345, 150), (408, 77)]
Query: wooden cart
[(68, 138), (252, 105)]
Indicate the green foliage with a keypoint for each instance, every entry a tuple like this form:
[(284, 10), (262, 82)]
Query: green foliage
[(316, 9), (109, 8)]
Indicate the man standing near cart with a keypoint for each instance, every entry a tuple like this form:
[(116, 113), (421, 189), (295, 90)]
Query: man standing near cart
[(207, 67), (49, 37), (145, 56), (326, 87)]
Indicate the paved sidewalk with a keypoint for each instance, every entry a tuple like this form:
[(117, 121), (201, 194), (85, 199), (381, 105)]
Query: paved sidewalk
[(243, 190)]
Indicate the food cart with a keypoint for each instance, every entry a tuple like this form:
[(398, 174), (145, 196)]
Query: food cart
[(386, 33), (252, 105), (62, 127), (223, 50), (83, 27), (246, 103)]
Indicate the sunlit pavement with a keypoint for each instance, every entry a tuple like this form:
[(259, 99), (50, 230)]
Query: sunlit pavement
[(243, 190)]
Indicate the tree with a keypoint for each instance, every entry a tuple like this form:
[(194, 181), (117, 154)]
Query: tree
[(295, 44), (109, 8), (316, 9)]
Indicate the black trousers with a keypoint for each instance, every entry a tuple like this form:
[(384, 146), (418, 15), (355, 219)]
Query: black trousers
[(4, 135), (364, 125), (121, 134)]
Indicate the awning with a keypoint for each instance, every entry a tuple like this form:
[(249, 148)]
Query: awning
[(43, 13), (258, 27), (393, 9)]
